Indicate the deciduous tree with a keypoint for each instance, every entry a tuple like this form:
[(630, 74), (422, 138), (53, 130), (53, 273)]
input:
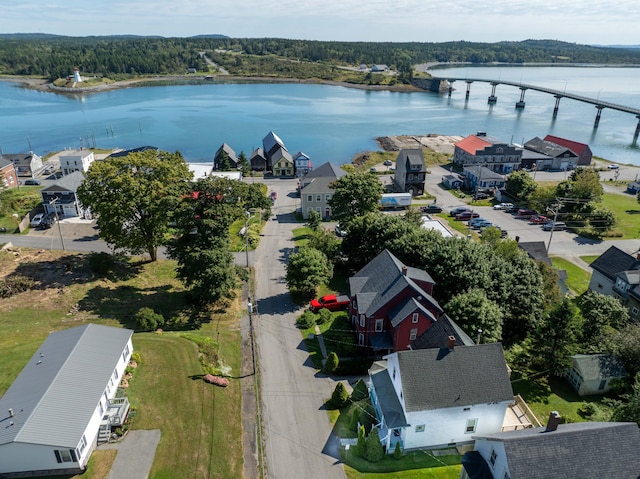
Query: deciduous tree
[(306, 270), (132, 197), (520, 184), (354, 195), (475, 313)]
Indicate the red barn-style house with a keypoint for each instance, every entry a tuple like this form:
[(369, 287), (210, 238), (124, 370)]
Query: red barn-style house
[(391, 304)]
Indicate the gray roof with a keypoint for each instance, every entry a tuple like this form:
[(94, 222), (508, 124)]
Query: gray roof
[(388, 400), (58, 390), (437, 335), (231, 153), (613, 261), (23, 159), (320, 179), (271, 140), (483, 173), (412, 157), (598, 366), (4, 163), (536, 250), (69, 182), (585, 450), (548, 148), (630, 277), (443, 378), (411, 305), (281, 152), (534, 155), (382, 279)]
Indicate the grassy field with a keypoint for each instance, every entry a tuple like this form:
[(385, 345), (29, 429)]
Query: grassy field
[(627, 211), (200, 424), (577, 278)]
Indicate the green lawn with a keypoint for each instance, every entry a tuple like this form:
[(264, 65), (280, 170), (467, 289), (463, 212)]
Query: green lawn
[(200, 423), (301, 235), (589, 259), (545, 395), (627, 211), (577, 278)]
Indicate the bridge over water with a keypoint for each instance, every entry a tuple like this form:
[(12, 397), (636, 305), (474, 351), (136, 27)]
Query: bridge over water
[(599, 104)]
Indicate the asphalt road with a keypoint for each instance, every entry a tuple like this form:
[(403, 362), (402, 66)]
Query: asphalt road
[(297, 433)]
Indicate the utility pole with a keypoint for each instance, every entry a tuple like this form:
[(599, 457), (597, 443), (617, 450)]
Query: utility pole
[(246, 238), (555, 218), (55, 212)]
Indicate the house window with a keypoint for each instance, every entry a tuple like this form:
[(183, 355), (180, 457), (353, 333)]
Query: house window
[(506, 475), (327, 197), (318, 198), (634, 311), (362, 320), (65, 455), (318, 209), (309, 198), (414, 318), (471, 426), (493, 458), (420, 428), (100, 408), (410, 176), (379, 323), (413, 334), (354, 319), (83, 444), (361, 339), (125, 353), (602, 385), (115, 374), (394, 373)]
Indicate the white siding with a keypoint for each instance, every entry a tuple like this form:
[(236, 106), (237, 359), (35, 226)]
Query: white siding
[(484, 447), (445, 426)]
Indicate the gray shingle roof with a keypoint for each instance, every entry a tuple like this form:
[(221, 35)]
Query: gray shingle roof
[(613, 261), (438, 334), (548, 148), (412, 157), (69, 182), (598, 366), (585, 450), (328, 170), (270, 141), (405, 309), (443, 378), (389, 402), (55, 395), (381, 280)]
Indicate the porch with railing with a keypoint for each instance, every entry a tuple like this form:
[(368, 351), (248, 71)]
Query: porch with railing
[(114, 416), (519, 416)]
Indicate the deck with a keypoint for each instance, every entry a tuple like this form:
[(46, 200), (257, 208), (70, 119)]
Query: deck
[(519, 416)]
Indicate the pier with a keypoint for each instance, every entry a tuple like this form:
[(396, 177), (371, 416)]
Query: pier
[(557, 94)]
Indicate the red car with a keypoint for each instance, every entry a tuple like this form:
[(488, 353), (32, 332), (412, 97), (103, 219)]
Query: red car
[(538, 219), (467, 215), (331, 302)]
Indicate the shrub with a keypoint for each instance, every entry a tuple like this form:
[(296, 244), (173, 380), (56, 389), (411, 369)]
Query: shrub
[(15, 285), (137, 357), (397, 452), (360, 391), (340, 396), (323, 316), (374, 451), (148, 320), (361, 445), (306, 320), (367, 415), (332, 363)]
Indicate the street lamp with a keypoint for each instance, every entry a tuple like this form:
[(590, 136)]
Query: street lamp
[(55, 212)]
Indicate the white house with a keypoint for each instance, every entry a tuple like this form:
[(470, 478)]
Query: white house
[(53, 411), (585, 450), (76, 160), (431, 398)]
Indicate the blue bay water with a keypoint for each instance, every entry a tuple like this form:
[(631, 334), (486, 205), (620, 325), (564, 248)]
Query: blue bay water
[(329, 123)]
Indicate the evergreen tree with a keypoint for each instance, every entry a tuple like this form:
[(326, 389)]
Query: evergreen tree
[(340, 396), (331, 364), (360, 391), (374, 451), (361, 446)]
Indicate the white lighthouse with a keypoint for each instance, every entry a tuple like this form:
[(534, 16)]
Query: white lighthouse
[(76, 75)]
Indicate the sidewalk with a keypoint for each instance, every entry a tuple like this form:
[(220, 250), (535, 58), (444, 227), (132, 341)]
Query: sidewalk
[(323, 348)]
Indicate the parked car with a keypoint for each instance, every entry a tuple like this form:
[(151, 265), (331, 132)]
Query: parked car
[(467, 215), (555, 226), (538, 219), (503, 206), (526, 213), (340, 232), (31, 181), (458, 210), (274, 195), (331, 302), (482, 224), (431, 209), (503, 233), (613, 167), (47, 221), (475, 221), (36, 220), (486, 224), (388, 163), (481, 195)]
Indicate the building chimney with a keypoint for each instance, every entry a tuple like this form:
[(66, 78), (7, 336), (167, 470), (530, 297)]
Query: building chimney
[(404, 271), (11, 412), (451, 342), (554, 420)]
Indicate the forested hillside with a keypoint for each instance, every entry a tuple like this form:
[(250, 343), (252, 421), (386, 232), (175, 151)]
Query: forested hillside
[(120, 57)]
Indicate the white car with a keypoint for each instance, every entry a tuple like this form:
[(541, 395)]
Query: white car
[(613, 166), (503, 206), (36, 220)]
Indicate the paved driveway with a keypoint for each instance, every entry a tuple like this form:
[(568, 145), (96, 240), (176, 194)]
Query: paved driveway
[(135, 454), (298, 438)]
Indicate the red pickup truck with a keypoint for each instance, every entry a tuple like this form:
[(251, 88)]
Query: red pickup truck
[(331, 302)]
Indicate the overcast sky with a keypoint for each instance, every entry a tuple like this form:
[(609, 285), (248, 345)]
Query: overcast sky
[(583, 21)]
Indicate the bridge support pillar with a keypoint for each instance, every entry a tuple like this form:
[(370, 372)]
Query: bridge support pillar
[(598, 115), (520, 104), (637, 132), (555, 108), (450, 87), (466, 96), (493, 99)]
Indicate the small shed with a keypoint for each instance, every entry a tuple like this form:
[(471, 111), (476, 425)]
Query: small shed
[(452, 182), (593, 373)]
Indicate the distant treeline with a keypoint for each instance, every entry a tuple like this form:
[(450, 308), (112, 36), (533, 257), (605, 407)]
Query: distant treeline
[(118, 57)]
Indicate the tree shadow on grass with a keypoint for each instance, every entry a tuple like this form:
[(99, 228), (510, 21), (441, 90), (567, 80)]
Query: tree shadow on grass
[(532, 390), (123, 302)]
